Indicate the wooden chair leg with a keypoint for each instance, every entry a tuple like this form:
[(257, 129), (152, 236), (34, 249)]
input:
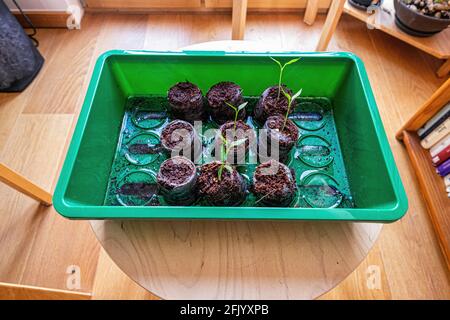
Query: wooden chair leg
[(21, 184), (311, 12), (334, 14), (238, 20), (444, 69)]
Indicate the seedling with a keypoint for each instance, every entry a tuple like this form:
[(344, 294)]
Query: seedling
[(236, 111), (225, 149), (282, 66), (290, 100)]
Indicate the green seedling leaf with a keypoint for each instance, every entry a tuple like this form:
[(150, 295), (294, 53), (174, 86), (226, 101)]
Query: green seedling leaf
[(219, 172), (229, 168), (236, 143), (295, 96), (223, 153), (277, 62), (286, 94), (242, 106), (292, 61), (236, 111)]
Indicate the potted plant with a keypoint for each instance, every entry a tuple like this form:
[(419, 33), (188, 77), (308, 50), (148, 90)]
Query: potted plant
[(186, 101), (221, 184), (232, 131), (220, 96), (180, 138), (272, 101), (422, 18), (274, 184), (279, 130), (176, 180)]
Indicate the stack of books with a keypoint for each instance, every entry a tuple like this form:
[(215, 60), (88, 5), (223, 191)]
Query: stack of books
[(435, 136)]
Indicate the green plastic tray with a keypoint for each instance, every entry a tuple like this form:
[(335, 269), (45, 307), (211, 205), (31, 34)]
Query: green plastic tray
[(370, 172)]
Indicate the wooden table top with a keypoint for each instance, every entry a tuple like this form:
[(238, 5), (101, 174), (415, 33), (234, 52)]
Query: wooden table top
[(236, 259)]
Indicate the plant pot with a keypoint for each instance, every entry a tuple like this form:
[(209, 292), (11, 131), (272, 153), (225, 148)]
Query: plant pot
[(364, 4), (274, 184), (219, 94), (416, 23), (274, 133), (186, 102), (243, 131), (270, 104), (229, 190), (179, 138), (176, 179)]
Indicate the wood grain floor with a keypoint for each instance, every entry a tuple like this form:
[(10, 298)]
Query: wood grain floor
[(35, 126)]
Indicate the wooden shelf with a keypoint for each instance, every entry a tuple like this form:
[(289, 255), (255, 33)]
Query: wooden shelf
[(431, 184), (384, 20), (432, 189)]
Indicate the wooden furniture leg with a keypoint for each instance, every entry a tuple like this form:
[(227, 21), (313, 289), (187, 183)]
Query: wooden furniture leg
[(238, 20), (21, 184), (311, 11), (334, 14), (444, 69)]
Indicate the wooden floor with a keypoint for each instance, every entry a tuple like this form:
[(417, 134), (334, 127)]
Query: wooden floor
[(36, 125)]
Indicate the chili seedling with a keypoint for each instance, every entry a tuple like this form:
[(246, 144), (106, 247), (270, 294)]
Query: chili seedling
[(225, 148), (282, 66), (236, 111)]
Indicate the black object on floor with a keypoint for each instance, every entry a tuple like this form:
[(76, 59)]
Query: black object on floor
[(20, 61)]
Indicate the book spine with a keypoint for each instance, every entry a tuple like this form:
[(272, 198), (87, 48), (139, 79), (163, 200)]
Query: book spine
[(441, 156), (447, 181), (435, 118), (437, 134), (440, 145), (447, 184), (435, 125), (444, 168)]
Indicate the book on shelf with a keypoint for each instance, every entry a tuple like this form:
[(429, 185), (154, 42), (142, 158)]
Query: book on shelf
[(433, 121), (440, 145), (447, 184), (444, 168), (435, 125), (441, 156), (437, 134)]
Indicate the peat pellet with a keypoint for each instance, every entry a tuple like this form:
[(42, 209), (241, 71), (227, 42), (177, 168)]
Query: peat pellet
[(217, 97), (176, 179), (233, 133), (277, 132), (179, 138), (186, 102), (274, 184), (229, 189), (272, 102)]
